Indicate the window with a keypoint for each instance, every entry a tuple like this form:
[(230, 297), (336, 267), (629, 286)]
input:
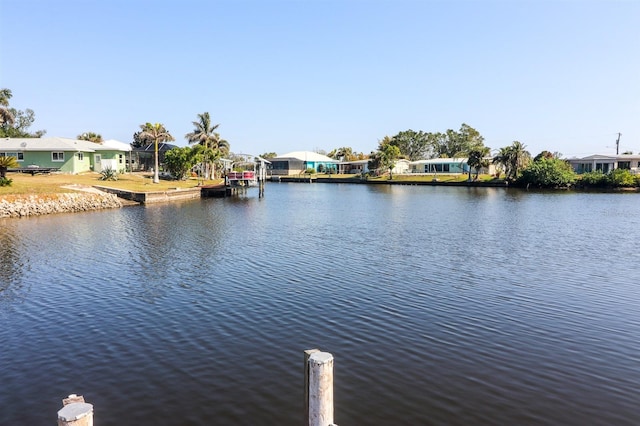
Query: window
[(120, 158), (624, 165), (17, 155), (81, 156), (57, 156)]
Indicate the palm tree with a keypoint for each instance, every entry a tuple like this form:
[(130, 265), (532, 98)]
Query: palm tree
[(213, 145), (157, 133), (502, 158), (6, 116), (520, 158), (477, 159), (7, 162), (91, 137), (514, 158)]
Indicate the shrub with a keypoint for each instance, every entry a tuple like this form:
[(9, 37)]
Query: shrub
[(109, 174), (621, 178), (5, 181), (548, 173), (594, 179)]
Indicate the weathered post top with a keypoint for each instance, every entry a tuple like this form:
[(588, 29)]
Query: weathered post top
[(75, 411), (319, 358)]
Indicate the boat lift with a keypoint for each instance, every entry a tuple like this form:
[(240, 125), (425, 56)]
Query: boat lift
[(241, 180)]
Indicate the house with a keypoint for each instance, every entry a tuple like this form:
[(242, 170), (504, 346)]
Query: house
[(68, 155), (353, 167), (605, 163), (297, 162), (448, 165), (440, 165)]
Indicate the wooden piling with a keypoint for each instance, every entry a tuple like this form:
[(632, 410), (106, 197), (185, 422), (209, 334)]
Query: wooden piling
[(307, 354), (75, 412), (320, 389)]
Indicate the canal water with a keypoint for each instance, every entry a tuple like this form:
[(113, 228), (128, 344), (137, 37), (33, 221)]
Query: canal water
[(452, 306)]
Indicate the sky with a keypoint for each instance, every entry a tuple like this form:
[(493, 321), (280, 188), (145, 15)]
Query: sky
[(290, 75)]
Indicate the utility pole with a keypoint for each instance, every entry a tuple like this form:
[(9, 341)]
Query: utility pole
[(618, 143)]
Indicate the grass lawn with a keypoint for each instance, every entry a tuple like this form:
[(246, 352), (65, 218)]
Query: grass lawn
[(25, 184)]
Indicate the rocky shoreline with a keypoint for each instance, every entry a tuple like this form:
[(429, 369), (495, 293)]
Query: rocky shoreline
[(36, 205)]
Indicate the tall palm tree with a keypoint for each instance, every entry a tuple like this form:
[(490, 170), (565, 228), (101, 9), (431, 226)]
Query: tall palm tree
[(157, 133), (213, 146), (6, 116), (520, 158)]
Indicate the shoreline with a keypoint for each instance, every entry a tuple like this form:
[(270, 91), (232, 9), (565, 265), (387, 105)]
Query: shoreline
[(97, 197), (45, 204)]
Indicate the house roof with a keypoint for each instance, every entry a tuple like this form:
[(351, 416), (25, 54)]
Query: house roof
[(114, 145), (440, 161), (60, 144), (306, 156)]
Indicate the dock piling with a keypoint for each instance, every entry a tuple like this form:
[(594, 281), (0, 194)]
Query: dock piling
[(320, 388), (75, 412)]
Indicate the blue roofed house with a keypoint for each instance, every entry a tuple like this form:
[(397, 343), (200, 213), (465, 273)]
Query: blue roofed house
[(67, 155)]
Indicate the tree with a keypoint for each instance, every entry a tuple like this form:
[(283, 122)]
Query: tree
[(7, 162), (140, 140), (514, 159), (452, 144), (385, 157), (390, 154), (413, 145), (179, 161), (343, 154), (478, 159), (157, 133), (268, 155), (6, 116), (19, 126), (213, 145), (91, 137), (548, 173)]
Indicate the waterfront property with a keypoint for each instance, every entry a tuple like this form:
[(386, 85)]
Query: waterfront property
[(66, 155), (362, 166), (448, 165), (297, 162), (605, 163)]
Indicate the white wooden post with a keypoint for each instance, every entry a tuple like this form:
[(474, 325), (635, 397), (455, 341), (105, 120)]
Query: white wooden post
[(320, 389), (75, 412)]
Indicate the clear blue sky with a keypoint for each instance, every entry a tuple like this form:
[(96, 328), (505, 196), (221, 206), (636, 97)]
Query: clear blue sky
[(286, 75)]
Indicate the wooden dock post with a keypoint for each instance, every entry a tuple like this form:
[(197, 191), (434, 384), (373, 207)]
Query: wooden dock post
[(320, 388), (75, 412)]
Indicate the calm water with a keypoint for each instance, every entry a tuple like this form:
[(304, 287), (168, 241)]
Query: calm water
[(440, 305)]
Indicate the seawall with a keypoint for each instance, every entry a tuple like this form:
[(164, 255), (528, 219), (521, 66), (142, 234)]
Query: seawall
[(36, 205)]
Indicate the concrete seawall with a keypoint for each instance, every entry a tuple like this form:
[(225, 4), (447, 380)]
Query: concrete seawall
[(155, 196), (36, 205)]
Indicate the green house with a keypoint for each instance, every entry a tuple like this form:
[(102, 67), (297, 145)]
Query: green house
[(67, 155)]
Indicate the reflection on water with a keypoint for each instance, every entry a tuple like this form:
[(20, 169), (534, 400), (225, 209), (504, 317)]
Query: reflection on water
[(12, 263), (440, 305)]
